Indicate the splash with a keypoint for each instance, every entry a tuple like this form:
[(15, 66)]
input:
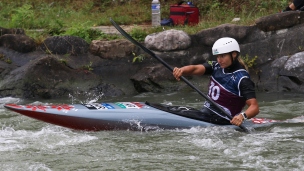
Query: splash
[(137, 125), (48, 138), (299, 119), (7, 100), (85, 97)]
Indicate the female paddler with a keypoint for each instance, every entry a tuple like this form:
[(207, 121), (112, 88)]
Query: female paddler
[(230, 85)]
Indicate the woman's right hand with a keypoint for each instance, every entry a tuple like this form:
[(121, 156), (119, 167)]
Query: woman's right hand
[(188, 70), (177, 73)]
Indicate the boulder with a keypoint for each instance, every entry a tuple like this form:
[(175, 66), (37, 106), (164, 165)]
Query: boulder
[(280, 21), (63, 45), (151, 79), (18, 42), (275, 44), (113, 49), (5, 68), (294, 68), (269, 74), (48, 77), (283, 74), (4, 31), (169, 40), (208, 36)]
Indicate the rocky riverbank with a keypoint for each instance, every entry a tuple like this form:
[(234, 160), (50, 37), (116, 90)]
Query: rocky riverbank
[(64, 65)]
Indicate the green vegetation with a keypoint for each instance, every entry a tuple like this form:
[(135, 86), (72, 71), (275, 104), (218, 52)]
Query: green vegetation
[(249, 61), (138, 58), (75, 17), (88, 67), (5, 59)]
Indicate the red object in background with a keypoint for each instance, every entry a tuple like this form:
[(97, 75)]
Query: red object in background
[(184, 14)]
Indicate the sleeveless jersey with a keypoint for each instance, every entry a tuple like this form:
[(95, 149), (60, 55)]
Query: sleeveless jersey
[(224, 89)]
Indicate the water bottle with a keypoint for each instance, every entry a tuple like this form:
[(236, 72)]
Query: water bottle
[(155, 13)]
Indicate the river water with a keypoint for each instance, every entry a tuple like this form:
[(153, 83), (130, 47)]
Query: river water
[(27, 144)]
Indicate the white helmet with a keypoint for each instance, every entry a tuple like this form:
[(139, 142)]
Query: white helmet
[(225, 45)]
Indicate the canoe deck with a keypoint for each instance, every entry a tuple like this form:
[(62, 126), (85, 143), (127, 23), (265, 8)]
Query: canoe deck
[(121, 116)]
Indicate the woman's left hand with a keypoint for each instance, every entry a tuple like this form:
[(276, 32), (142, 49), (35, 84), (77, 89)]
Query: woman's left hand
[(177, 73), (237, 120)]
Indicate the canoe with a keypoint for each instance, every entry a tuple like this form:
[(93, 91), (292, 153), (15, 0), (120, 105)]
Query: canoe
[(122, 116)]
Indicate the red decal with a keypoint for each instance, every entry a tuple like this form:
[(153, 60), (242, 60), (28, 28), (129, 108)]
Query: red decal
[(67, 107), (14, 105), (31, 107), (54, 106), (34, 108), (61, 107), (41, 107), (262, 120), (138, 104)]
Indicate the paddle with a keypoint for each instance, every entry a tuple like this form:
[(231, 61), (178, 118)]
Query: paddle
[(127, 36)]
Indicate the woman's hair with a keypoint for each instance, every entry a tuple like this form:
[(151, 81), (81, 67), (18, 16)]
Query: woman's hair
[(241, 61)]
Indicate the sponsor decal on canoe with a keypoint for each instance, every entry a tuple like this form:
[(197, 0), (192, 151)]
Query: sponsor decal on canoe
[(35, 108), (140, 105), (129, 105), (98, 106), (262, 120), (14, 106), (63, 107), (108, 105)]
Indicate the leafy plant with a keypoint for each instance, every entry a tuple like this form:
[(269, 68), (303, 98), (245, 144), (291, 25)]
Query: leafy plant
[(23, 17), (84, 31), (138, 58), (3, 58), (56, 27), (88, 67), (250, 62), (138, 33)]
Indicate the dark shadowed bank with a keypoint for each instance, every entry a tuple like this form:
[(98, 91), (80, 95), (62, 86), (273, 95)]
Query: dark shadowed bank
[(65, 65)]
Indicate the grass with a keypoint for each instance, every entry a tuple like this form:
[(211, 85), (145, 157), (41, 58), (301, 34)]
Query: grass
[(76, 17)]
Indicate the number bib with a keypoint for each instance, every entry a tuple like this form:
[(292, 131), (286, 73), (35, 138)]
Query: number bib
[(224, 89)]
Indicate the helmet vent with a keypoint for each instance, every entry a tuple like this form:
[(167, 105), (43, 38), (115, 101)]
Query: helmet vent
[(228, 42)]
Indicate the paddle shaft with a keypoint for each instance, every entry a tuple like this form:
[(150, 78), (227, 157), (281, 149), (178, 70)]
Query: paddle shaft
[(126, 35)]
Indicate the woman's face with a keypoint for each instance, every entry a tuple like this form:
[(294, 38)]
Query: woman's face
[(224, 60)]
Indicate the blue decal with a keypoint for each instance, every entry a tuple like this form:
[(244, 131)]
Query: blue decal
[(108, 105)]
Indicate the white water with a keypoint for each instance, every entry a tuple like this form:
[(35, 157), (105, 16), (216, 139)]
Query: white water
[(27, 144)]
